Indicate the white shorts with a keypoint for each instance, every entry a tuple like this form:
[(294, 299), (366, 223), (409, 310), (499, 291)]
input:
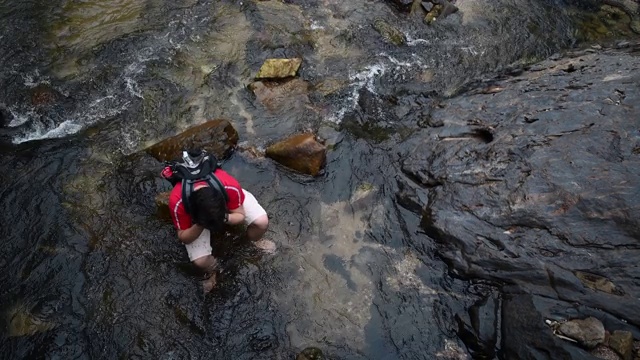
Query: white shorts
[(202, 245)]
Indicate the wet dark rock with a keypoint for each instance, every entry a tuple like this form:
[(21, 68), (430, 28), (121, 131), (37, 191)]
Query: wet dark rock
[(389, 33), (5, 117), (588, 332), (217, 137), (310, 353), (402, 5), (550, 203), (478, 328), (372, 118), (622, 343), (525, 335), (302, 153), (427, 6)]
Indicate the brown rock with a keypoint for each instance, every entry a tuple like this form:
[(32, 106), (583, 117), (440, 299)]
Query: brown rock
[(279, 68), (588, 332), (300, 152), (43, 95), (162, 202), (277, 96), (217, 137), (622, 343), (310, 353), (604, 352), (597, 282)]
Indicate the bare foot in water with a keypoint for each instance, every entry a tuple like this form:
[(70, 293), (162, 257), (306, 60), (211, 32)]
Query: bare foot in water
[(265, 245), (209, 284)]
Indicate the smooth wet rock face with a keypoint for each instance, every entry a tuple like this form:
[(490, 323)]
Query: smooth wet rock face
[(217, 137), (302, 153), (622, 343), (479, 327), (588, 332), (279, 68), (548, 203)]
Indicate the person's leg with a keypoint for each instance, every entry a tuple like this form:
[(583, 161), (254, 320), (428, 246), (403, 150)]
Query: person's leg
[(258, 222), (258, 227), (200, 255)]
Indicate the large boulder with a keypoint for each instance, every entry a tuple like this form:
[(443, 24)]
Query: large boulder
[(217, 137), (302, 153), (537, 185)]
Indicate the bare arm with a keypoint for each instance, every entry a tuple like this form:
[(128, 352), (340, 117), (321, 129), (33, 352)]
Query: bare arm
[(191, 234), (236, 216)]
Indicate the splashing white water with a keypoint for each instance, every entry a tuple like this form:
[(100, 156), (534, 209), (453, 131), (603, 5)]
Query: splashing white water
[(366, 78), (100, 109), (359, 80)]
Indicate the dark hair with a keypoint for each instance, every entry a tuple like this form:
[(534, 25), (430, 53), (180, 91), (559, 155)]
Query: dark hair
[(208, 208)]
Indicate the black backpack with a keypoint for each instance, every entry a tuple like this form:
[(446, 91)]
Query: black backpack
[(195, 166)]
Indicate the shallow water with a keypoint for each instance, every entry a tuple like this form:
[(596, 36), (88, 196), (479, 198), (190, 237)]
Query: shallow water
[(90, 271)]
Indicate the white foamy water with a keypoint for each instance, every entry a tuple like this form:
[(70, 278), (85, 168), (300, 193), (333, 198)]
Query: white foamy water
[(415, 42), (20, 118), (366, 78), (358, 81), (100, 109)]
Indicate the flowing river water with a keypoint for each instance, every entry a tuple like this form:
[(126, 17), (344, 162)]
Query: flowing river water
[(90, 271)]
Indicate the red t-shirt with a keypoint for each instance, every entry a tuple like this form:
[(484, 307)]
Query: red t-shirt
[(182, 220)]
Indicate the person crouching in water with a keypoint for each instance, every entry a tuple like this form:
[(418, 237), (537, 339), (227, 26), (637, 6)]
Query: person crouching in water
[(212, 202)]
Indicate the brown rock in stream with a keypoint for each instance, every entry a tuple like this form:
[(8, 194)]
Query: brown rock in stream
[(43, 95), (300, 152), (622, 343), (588, 332), (217, 137), (162, 204), (279, 68), (311, 353)]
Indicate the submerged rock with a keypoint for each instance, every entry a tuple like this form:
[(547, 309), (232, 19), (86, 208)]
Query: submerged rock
[(279, 68), (302, 153), (43, 95), (217, 137), (310, 353), (23, 322), (389, 33), (281, 96)]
